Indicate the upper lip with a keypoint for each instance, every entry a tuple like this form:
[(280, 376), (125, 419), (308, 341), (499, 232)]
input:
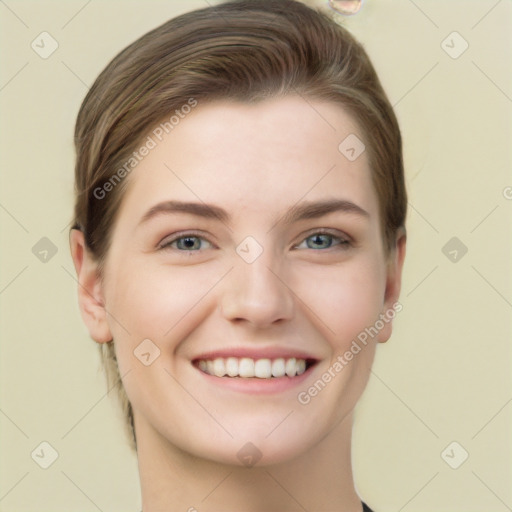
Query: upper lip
[(256, 353)]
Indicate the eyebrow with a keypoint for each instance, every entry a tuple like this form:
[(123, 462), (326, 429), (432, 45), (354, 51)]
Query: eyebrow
[(302, 211)]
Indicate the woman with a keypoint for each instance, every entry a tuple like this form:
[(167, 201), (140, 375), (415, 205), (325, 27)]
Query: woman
[(239, 240)]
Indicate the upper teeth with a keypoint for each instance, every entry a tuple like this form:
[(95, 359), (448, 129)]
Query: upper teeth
[(246, 367)]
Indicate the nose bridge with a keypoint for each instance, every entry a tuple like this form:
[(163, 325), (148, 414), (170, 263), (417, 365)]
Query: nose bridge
[(257, 293)]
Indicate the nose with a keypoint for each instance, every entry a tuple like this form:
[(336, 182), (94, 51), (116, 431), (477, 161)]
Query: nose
[(257, 294)]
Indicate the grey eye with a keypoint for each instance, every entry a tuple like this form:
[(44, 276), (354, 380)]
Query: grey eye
[(320, 241)]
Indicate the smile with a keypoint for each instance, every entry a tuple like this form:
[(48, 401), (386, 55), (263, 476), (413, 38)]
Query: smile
[(247, 368)]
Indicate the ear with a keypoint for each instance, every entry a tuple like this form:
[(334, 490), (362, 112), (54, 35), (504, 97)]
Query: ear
[(391, 306), (90, 293)]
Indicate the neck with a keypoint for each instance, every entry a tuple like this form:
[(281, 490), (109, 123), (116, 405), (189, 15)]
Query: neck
[(317, 480)]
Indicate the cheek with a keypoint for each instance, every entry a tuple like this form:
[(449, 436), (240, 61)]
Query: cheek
[(344, 299), (156, 302)]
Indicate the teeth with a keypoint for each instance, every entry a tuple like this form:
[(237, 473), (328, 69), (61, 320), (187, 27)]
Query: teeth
[(246, 367), (231, 366), (291, 367), (263, 368), (278, 368), (219, 368)]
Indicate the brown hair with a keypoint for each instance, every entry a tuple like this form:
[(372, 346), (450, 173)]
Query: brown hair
[(242, 50)]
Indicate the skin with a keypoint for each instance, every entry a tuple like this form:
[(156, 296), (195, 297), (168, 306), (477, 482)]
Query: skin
[(256, 162)]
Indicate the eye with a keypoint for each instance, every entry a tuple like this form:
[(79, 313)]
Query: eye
[(323, 240), (189, 242)]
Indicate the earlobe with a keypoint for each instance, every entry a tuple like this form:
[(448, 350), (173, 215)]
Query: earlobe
[(391, 305), (90, 292)]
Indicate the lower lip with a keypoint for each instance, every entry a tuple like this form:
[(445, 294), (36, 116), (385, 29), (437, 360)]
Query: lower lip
[(255, 385)]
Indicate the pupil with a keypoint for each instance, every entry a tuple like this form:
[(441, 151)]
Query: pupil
[(321, 240)]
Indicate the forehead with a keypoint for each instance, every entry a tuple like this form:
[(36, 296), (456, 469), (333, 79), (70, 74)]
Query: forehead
[(264, 156)]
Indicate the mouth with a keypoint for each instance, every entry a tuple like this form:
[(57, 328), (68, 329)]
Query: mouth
[(261, 376), (248, 368)]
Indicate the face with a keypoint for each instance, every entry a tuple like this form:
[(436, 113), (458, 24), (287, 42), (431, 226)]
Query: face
[(246, 240)]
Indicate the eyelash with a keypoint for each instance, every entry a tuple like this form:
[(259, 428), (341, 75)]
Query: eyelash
[(166, 245), (343, 241)]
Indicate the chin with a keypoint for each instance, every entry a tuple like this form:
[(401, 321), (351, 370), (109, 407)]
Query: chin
[(257, 448)]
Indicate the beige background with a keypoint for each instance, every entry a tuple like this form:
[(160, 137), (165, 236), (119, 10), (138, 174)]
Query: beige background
[(445, 374)]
